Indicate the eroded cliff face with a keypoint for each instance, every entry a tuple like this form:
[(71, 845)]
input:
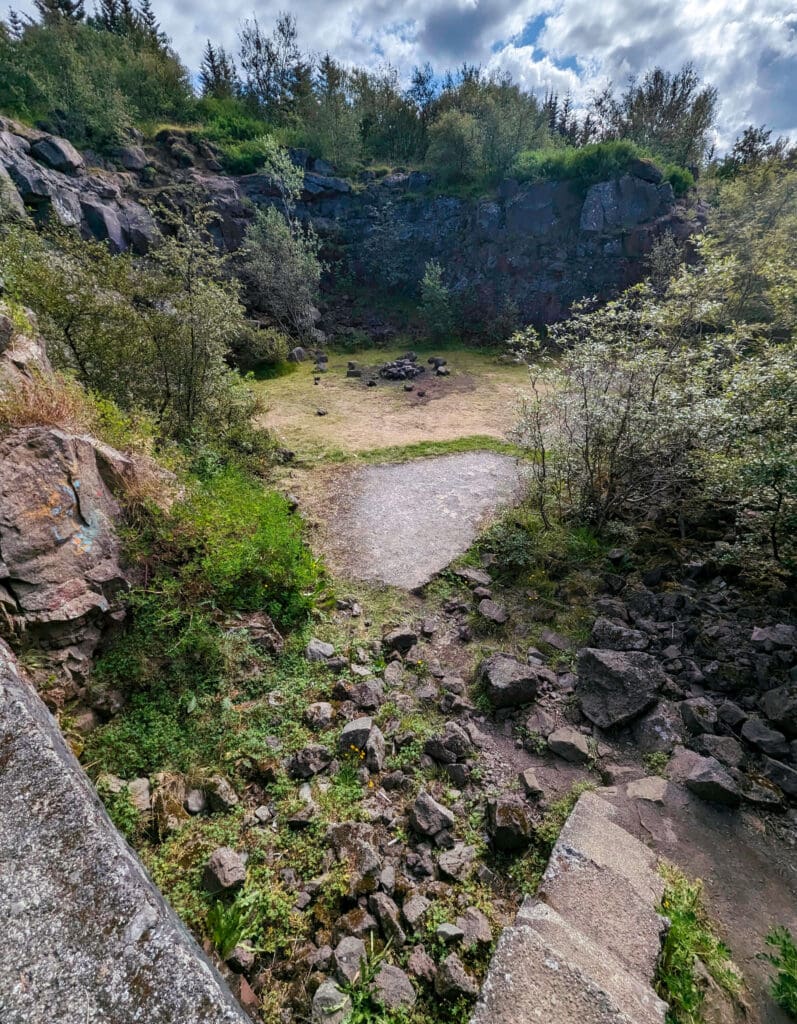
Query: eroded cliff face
[(534, 249)]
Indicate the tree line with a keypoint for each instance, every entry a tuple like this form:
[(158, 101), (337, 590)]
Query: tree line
[(94, 76)]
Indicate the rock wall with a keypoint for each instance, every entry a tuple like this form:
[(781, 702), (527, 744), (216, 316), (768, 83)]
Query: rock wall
[(86, 935), (586, 949), (527, 254)]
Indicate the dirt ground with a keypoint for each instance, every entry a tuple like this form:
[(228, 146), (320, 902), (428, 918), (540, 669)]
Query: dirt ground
[(479, 397)]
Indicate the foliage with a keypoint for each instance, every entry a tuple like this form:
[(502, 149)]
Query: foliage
[(784, 960), (89, 83), (584, 166), (669, 114), (681, 179), (281, 271), (227, 924), (258, 347), (151, 333), (674, 399), (436, 302), (121, 811), (690, 938), (454, 152)]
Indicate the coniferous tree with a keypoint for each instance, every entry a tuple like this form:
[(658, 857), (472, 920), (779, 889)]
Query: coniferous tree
[(52, 11)]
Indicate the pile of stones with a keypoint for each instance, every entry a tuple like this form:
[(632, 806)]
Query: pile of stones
[(404, 368)]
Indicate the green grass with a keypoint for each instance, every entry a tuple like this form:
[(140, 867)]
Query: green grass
[(429, 449), (691, 936)]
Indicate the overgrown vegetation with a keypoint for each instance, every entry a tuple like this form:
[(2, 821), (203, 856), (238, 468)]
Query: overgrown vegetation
[(690, 941), (116, 72), (674, 403)]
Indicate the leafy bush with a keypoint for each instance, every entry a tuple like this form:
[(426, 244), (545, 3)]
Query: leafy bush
[(436, 307), (584, 166), (784, 984), (88, 84), (680, 178)]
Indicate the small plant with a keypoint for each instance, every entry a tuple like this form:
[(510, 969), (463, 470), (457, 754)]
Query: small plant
[(784, 960), (227, 925), (656, 763), (691, 937)]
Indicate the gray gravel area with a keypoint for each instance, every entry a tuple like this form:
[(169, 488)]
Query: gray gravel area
[(402, 523)]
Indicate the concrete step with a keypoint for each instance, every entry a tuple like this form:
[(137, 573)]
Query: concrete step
[(633, 996), (603, 882), (533, 982)]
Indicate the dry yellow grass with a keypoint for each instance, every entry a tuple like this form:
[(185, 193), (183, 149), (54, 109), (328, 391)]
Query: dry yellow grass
[(478, 398)]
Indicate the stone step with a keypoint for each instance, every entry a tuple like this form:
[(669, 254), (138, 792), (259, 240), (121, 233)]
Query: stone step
[(589, 833), (533, 982), (603, 882), (633, 996)]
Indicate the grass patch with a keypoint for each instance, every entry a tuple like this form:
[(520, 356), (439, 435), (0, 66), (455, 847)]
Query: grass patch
[(691, 937), (430, 449)]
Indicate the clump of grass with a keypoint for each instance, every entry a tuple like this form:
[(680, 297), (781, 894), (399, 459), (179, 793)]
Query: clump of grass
[(227, 924), (656, 763), (784, 960), (691, 938), (526, 872)]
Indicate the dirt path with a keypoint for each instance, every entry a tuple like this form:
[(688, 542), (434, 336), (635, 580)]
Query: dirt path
[(402, 523)]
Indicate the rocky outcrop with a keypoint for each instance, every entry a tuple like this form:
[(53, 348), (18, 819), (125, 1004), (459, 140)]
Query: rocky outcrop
[(60, 574), (86, 935), (525, 254), (51, 179), (586, 948)]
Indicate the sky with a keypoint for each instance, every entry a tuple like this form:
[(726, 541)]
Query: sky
[(746, 48)]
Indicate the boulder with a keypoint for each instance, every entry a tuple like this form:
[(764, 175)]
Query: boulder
[(354, 844), (618, 637), (509, 683), (63, 569), (710, 781), (387, 914), (319, 650), (331, 1005), (660, 730), (457, 863), (783, 775), (354, 735), (310, 761), (780, 707), (375, 750), (414, 910), (319, 715), (348, 959), (225, 870), (699, 715), (401, 640), (429, 818), (475, 928), (570, 744), (509, 824), (531, 784), (615, 687), (726, 749), (421, 966), (57, 153), (768, 741), (454, 746), (773, 637), (393, 989), (493, 612), (453, 981)]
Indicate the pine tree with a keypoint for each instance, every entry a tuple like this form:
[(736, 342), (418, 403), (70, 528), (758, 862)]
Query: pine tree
[(108, 15), (149, 25), (16, 26), (52, 11), (217, 74)]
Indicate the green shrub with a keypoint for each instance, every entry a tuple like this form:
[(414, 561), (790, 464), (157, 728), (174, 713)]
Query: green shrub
[(682, 181), (227, 925), (584, 166), (228, 121), (784, 984)]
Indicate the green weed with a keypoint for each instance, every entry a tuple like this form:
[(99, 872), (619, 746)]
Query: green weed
[(784, 960), (691, 936)]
